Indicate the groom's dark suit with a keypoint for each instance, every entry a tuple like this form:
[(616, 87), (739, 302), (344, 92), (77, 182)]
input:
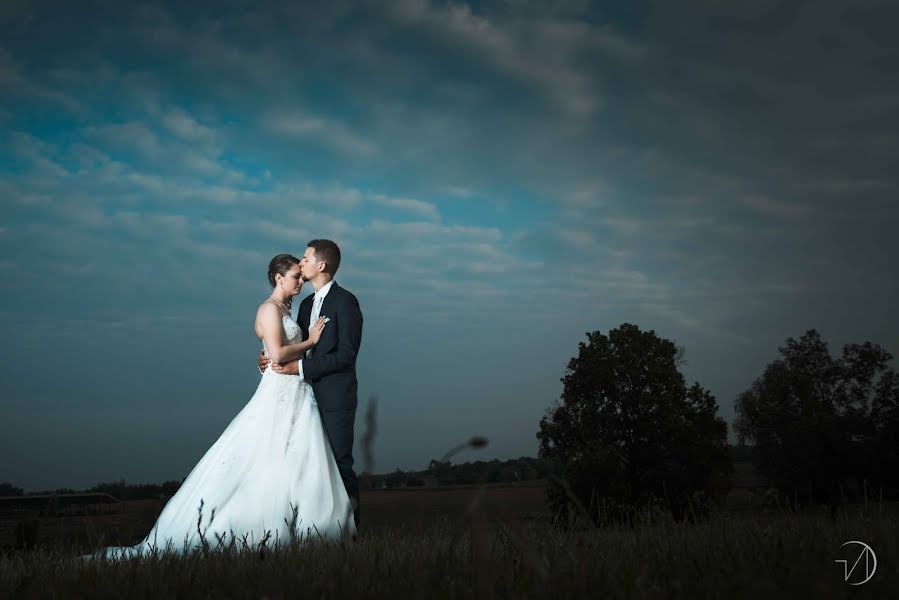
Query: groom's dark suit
[(331, 369)]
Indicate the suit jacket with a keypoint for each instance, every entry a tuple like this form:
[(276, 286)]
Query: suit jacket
[(331, 367)]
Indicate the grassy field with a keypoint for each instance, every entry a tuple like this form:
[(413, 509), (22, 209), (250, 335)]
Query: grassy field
[(492, 542)]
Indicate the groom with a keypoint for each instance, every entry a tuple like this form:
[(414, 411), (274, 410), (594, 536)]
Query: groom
[(330, 366)]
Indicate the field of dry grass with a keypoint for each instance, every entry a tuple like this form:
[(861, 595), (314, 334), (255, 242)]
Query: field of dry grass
[(480, 542), (744, 555), (412, 509)]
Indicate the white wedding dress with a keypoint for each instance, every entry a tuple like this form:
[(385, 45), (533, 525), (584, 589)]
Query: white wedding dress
[(272, 461)]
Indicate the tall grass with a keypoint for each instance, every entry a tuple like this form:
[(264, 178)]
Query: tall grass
[(772, 555)]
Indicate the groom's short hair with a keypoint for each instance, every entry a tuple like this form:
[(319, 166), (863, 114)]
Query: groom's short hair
[(327, 252)]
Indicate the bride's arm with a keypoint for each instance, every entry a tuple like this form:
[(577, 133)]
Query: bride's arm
[(269, 319)]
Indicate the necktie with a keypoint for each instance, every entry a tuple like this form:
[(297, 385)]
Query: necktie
[(316, 309)]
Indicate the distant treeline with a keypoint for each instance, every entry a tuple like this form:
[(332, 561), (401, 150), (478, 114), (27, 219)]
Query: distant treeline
[(119, 489), (524, 468)]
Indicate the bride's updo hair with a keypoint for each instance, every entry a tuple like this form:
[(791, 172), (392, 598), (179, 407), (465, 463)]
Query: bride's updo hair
[(280, 265)]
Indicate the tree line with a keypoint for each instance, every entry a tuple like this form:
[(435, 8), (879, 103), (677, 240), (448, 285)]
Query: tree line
[(629, 432), (119, 489)]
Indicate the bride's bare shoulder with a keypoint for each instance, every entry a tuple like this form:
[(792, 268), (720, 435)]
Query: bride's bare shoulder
[(267, 309), (266, 313)]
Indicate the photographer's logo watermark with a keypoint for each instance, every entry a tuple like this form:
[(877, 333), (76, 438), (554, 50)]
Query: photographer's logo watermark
[(863, 561)]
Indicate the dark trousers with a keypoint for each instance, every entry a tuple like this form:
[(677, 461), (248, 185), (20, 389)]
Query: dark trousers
[(338, 425)]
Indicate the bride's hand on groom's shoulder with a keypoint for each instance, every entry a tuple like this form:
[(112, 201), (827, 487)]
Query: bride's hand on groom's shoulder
[(291, 368)]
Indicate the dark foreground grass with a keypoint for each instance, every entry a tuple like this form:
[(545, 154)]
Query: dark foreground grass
[(757, 555)]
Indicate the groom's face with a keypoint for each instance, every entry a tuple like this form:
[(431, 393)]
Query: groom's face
[(308, 264)]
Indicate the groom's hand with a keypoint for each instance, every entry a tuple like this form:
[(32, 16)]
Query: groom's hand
[(291, 368), (264, 362)]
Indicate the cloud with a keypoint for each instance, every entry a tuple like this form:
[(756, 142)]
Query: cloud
[(185, 126), (543, 54), (322, 131), (132, 136), (191, 151), (38, 156), (17, 86), (435, 233), (417, 207), (778, 209)]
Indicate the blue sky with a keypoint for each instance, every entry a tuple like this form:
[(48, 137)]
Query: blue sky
[(501, 177)]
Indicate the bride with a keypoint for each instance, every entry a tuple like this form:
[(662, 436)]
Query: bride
[(271, 476)]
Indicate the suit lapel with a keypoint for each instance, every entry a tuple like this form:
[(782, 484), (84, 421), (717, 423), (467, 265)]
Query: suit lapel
[(328, 302), (304, 313)]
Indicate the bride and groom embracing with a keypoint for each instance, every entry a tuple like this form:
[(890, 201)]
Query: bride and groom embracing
[(283, 468)]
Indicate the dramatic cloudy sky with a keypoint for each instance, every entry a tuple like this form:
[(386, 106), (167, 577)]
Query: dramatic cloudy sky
[(502, 177)]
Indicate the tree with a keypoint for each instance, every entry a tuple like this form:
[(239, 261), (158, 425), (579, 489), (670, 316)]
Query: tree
[(885, 420), (8, 489), (824, 429), (627, 431), (442, 470), (396, 479)]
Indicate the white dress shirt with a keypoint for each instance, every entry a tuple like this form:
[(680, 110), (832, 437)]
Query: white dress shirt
[(317, 302)]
